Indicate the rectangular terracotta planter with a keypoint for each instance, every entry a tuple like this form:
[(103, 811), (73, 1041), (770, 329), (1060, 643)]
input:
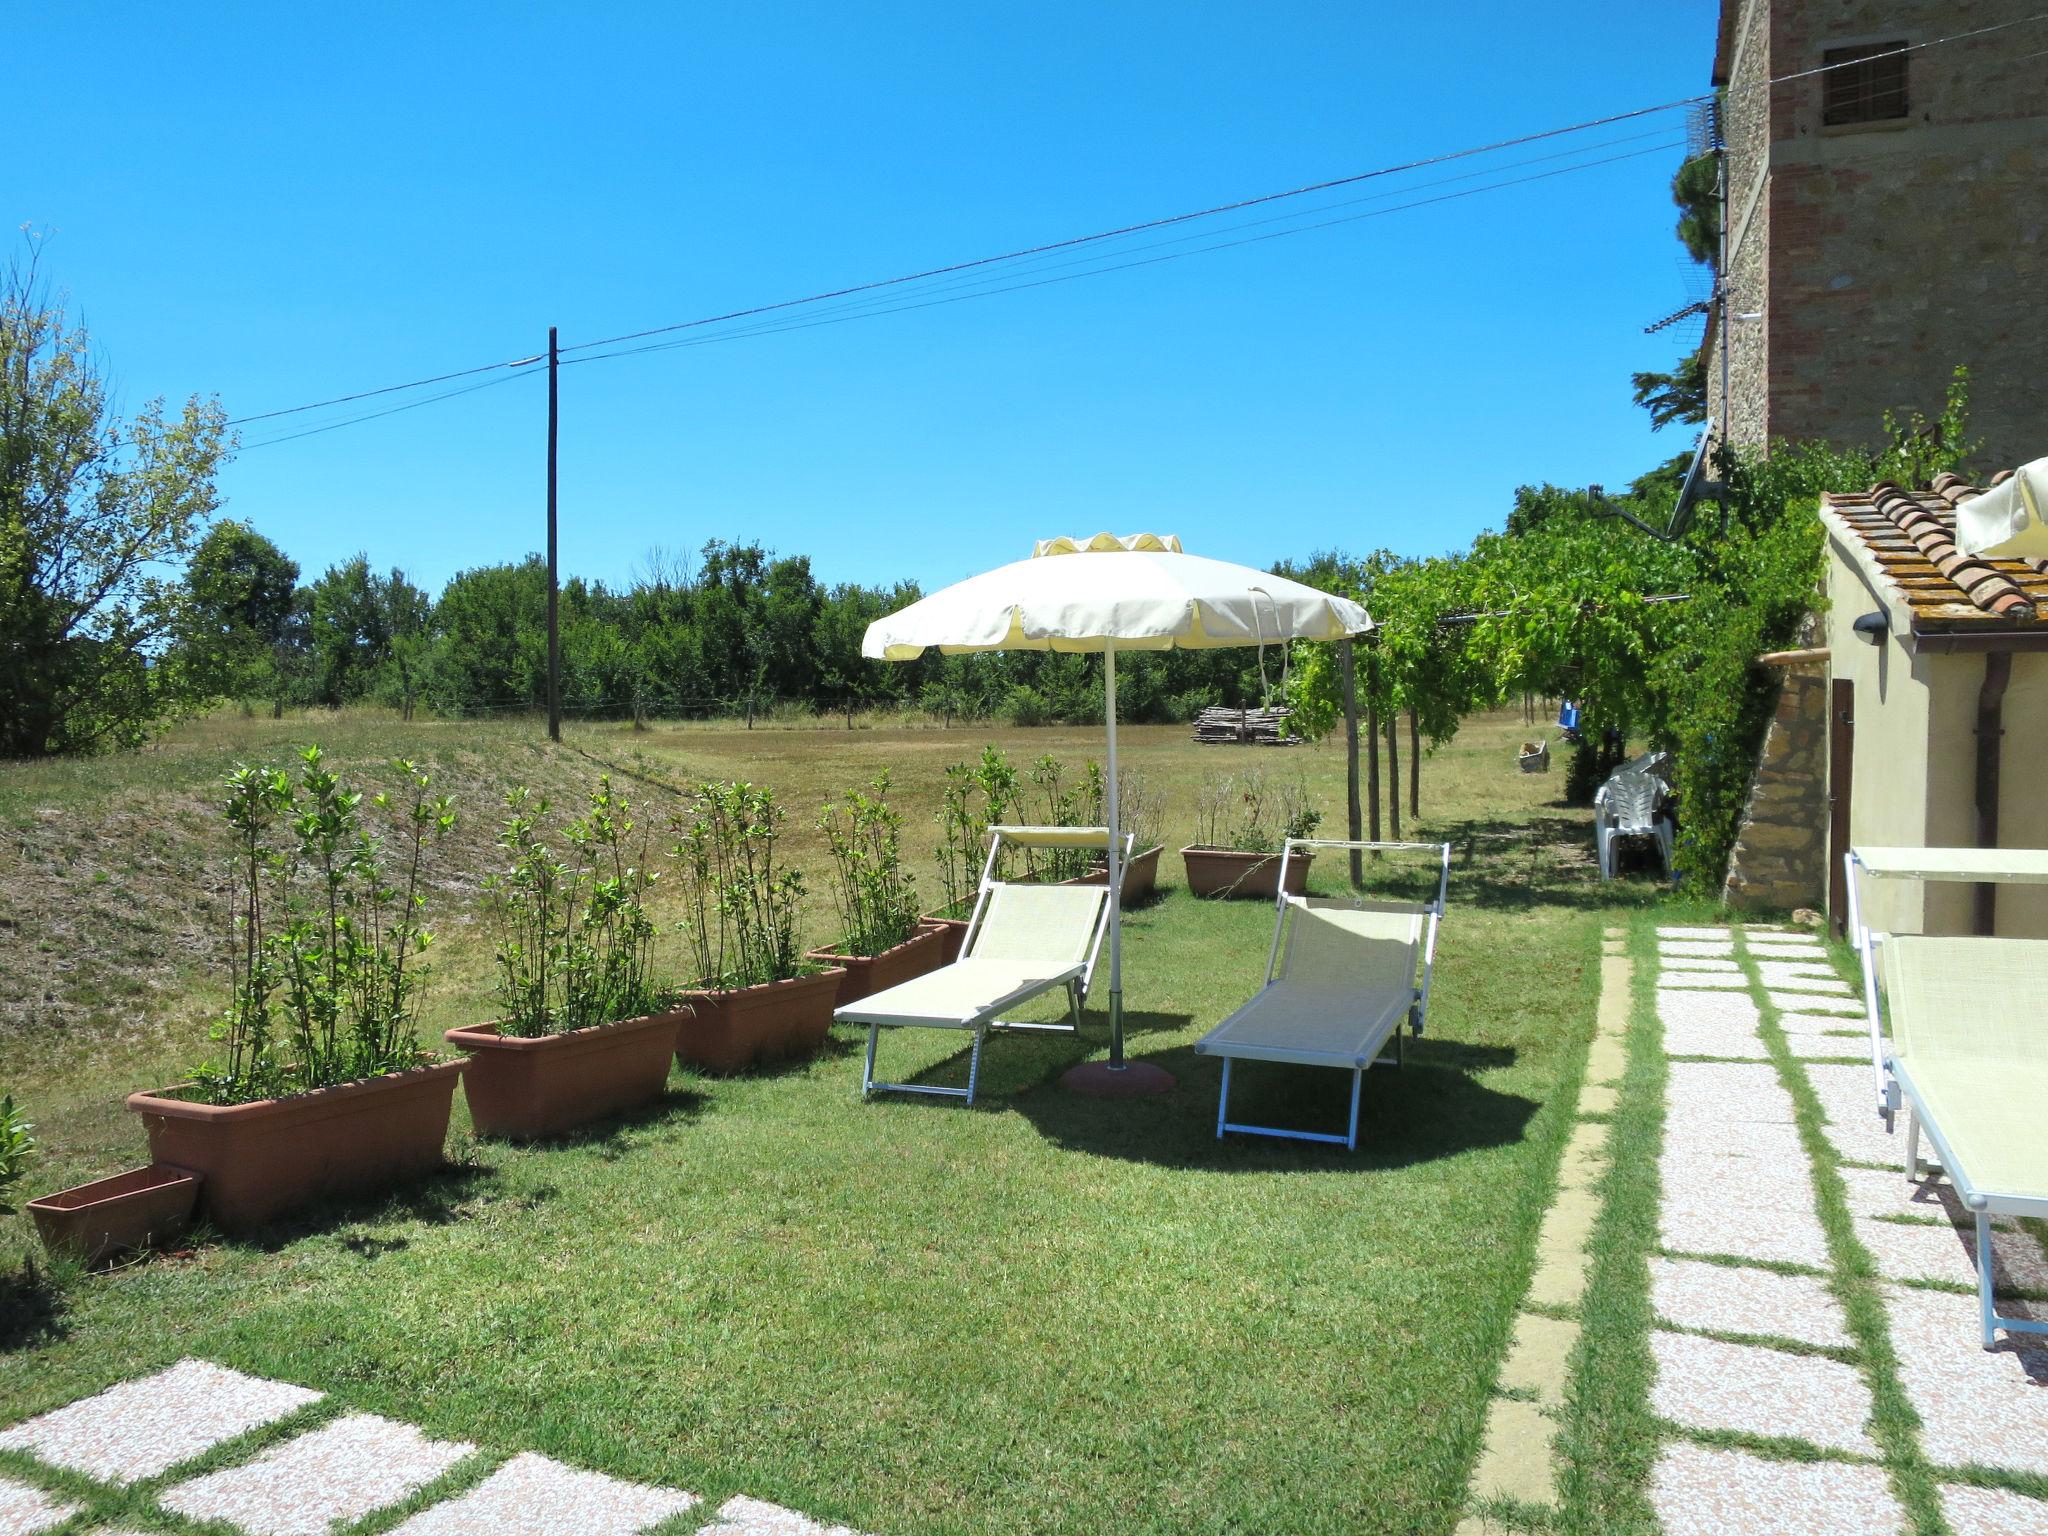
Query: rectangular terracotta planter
[(867, 974), (952, 935), (1227, 872), (542, 1086), (136, 1209), (1141, 874), (749, 1026), (266, 1159)]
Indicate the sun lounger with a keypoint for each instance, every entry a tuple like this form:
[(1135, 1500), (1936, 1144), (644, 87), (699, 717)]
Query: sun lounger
[(1967, 1051), (1341, 977), (1023, 941)]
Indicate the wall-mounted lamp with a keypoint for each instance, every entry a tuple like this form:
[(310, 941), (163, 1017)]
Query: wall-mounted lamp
[(1872, 628)]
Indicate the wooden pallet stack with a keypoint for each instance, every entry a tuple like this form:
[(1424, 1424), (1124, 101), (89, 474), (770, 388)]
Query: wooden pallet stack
[(1257, 727)]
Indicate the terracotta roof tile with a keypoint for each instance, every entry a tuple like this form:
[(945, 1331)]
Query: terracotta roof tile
[(1911, 536)]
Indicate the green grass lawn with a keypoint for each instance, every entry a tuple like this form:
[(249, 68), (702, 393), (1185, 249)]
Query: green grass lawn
[(1044, 1313)]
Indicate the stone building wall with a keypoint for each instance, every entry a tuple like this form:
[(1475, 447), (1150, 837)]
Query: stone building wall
[(1780, 857), (1882, 255)]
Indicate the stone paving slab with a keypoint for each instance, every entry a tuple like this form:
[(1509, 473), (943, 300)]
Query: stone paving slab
[(1977, 1406), (1701, 981), (1920, 1251), (1723, 946), (1730, 1093), (1828, 1048), (337, 1473), (1887, 1192), (533, 1496), (1516, 1461), (1699, 1491), (1993, 1512), (1714, 1169), (1721, 1299), (1709, 1024), (1827, 1024), (142, 1428), (1690, 965), (1707, 1384), (1740, 1230), (1779, 978), (1671, 932), (743, 1516), (24, 1510), (1788, 1001), (1848, 1103)]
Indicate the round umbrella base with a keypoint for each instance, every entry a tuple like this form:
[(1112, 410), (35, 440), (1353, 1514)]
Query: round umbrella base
[(1133, 1080)]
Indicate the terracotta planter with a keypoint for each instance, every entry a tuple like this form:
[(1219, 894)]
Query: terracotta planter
[(274, 1156), (952, 935), (865, 974), (1141, 874), (1227, 872), (523, 1088), (136, 1209), (749, 1025)]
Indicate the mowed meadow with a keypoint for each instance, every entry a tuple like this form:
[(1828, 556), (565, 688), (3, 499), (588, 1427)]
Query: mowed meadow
[(1043, 1313)]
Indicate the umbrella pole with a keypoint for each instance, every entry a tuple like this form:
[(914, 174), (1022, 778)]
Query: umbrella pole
[(1116, 883), (1115, 1078)]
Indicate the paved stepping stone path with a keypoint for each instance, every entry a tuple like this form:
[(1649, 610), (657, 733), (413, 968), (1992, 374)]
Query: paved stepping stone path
[(332, 1475), (1752, 1339)]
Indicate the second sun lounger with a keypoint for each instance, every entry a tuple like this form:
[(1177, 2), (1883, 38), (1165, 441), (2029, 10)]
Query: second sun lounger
[(1341, 978), (1024, 940), (1967, 1051)]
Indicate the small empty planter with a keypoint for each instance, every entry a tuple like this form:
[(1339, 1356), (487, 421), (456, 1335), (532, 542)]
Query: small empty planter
[(132, 1210)]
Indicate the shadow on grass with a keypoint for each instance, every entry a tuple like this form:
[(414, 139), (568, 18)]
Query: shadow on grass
[(1514, 866), (31, 1308), (612, 1133), (1432, 1107), (438, 1200)]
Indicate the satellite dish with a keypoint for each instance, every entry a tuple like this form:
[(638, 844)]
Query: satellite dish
[(1696, 486)]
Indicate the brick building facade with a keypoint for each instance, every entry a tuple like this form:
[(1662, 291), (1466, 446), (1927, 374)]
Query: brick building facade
[(1887, 220)]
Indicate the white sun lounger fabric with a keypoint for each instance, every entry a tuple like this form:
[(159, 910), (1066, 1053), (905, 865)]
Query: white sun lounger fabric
[(1342, 977), (1967, 1048), (1023, 941)]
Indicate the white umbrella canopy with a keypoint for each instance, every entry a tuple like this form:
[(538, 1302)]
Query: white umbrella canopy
[(2009, 521), (1140, 592)]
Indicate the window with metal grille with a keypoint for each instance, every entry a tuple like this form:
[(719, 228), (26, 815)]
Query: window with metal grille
[(1862, 85)]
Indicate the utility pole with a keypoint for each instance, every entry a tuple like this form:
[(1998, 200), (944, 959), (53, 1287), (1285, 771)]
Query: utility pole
[(554, 579), (1348, 670)]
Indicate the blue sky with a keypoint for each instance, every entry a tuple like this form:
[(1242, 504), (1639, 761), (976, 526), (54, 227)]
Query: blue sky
[(277, 204)]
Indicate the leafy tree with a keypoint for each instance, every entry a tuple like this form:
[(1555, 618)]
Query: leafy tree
[(241, 593), (96, 514), (1677, 396), (1696, 189)]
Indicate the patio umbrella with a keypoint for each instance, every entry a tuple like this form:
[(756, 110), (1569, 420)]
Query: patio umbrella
[(1110, 594), (2009, 521)]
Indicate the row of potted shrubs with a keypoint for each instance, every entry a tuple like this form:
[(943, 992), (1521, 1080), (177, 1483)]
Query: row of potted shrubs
[(319, 1085)]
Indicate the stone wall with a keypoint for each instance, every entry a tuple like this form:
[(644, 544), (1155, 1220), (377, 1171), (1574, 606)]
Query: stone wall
[(1882, 255), (1780, 857)]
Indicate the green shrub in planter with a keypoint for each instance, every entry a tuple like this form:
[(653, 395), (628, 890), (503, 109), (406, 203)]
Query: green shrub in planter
[(324, 966), (574, 941), (876, 896)]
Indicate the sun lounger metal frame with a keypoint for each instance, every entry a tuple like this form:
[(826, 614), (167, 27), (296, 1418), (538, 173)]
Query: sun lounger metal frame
[(1367, 1050), (1896, 1086), (875, 1010)]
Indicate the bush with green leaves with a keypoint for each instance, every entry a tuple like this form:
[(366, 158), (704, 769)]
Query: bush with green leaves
[(324, 962), (16, 1147), (743, 908), (1252, 812), (574, 941), (876, 896), (977, 796)]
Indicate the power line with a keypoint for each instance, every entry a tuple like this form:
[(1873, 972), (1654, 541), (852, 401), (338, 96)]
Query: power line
[(859, 308), (1073, 242), (1123, 266), (410, 405)]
